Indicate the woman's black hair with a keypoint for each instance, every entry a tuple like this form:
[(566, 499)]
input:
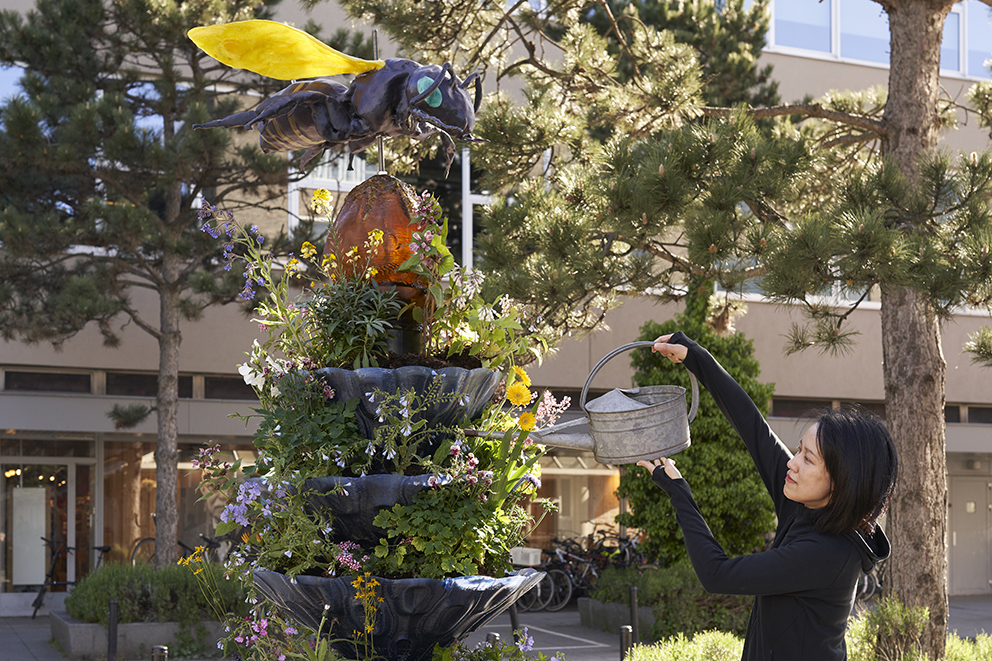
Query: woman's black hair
[(860, 457)]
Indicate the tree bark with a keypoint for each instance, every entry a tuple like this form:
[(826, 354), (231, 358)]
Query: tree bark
[(914, 404), (167, 401), (914, 370)]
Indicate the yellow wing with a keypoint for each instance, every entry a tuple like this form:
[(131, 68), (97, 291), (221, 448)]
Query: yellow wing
[(276, 50)]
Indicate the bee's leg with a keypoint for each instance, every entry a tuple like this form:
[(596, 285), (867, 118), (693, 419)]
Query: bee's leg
[(449, 150), (357, 146), (231, 121)]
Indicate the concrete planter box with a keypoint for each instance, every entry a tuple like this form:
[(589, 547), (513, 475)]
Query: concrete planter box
[(79, 640), (604, 616)]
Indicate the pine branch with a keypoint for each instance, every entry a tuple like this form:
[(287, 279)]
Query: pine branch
[(979, 346), (809, 110)]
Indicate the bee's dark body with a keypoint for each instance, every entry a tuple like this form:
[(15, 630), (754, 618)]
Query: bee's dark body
[(402, 98)]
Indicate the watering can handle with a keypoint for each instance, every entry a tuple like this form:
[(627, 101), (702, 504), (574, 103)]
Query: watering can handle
[(628, 347)]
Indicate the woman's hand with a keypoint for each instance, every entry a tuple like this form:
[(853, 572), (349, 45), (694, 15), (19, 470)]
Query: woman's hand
[(669, 464), (673, 352)]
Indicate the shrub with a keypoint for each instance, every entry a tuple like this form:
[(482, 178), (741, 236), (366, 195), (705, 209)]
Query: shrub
[(724, 481), (677, 599), (146, 594), (862, 640), (704, 646), (959, 649)]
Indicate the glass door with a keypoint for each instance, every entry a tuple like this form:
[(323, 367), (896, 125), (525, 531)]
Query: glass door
[(35, 505), (51, 501)]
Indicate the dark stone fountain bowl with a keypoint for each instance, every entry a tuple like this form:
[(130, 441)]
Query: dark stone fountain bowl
[(415, 613), (463, 393), (352, 503)]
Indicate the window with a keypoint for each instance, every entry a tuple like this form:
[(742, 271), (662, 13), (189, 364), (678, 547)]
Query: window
[(803, 24), (785, 407), (222, 387), (980, 415), (950, 45), (858, 30), (877, 408), (864, 31), (47, 382), (979, 38), (127, 384), (952, 413)]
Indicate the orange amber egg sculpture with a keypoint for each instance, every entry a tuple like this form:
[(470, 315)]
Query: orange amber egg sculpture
[(385, 203)]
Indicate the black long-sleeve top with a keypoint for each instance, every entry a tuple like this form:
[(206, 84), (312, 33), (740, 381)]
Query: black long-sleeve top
[(804, 584)]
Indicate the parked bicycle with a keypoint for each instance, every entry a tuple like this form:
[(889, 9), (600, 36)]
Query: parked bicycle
[(870, 584), (51, 578), (144, 549)]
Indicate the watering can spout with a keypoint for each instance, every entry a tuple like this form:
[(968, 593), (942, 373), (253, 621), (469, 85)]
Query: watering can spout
[(559, 436)]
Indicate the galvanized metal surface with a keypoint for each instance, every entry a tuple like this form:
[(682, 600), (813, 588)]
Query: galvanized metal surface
[(628, 425)]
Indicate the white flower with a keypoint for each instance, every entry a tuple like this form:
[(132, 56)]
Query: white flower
[(252, 376)]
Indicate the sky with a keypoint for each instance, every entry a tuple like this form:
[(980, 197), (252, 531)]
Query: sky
[(8, 82)]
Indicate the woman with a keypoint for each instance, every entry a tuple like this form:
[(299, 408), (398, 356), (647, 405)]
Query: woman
[(828, 498)]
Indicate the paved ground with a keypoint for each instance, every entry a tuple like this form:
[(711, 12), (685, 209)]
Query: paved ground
[(24, 639)]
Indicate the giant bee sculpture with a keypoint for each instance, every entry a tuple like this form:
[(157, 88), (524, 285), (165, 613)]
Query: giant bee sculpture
[(386, 98)]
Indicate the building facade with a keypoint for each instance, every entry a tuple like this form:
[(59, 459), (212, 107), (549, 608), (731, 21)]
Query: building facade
[(68, 473)]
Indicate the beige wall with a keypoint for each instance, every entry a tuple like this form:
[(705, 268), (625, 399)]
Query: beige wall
[(799, 76)]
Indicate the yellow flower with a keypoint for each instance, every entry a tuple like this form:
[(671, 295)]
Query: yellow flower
[(521, 375), (526, 421), (321, 197), (518, 394), (373, 271), (308, 250)]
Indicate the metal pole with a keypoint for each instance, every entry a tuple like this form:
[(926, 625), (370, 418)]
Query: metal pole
[(492, 639), (112, 631), (625, 641), (515, 622), (634, 624), (379, 141), (160, 653)]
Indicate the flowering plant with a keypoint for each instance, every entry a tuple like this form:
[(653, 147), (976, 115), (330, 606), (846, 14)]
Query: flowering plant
[(455, 319), (329, 311)]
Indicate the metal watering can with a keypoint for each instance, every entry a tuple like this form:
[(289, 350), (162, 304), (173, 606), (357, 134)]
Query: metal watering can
[(628, 425)]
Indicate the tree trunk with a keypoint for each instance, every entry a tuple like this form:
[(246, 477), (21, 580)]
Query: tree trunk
[(167, 401), (914, 370), (914, 404)]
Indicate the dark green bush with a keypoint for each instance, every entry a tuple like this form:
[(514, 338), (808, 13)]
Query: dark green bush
[(146, 594), (724, 481), (677, 599)]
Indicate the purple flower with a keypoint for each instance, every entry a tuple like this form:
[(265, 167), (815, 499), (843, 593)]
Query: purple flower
[(525, 643)]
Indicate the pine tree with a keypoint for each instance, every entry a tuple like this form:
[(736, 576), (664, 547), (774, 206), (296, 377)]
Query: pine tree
[(727, 37), (611, 184), (732, 497), (101, 176)]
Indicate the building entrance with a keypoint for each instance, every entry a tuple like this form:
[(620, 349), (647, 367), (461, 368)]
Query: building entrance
[(42, 497), (969, 562)]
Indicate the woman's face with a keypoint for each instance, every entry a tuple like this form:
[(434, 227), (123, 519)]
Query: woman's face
[(808, 481)]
